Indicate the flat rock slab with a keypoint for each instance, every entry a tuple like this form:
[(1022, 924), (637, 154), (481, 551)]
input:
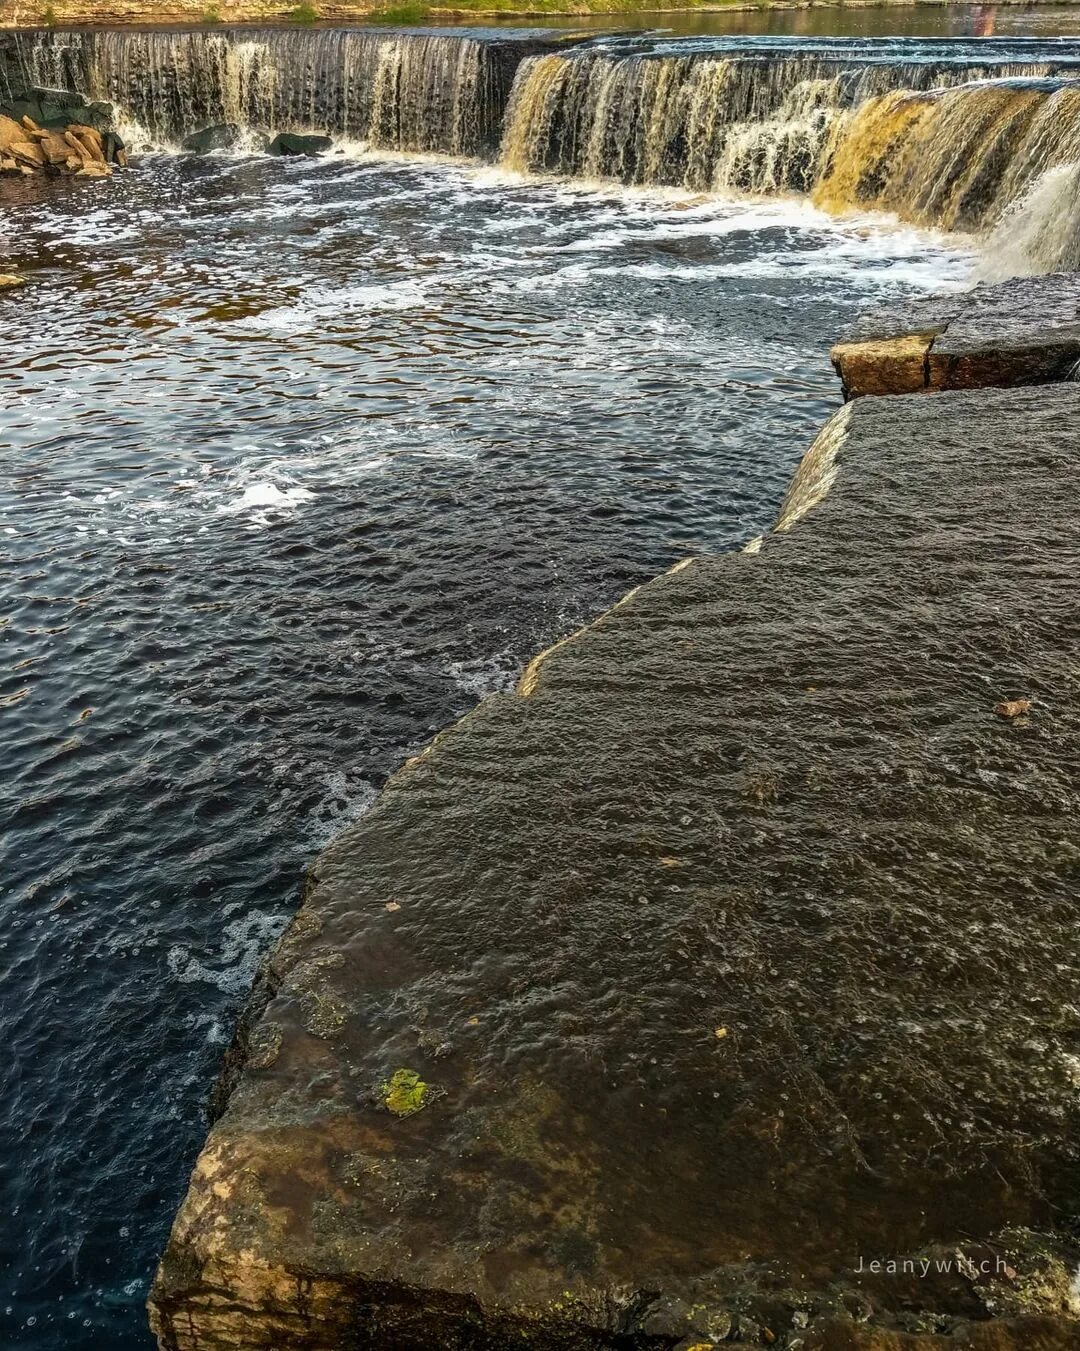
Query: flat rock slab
[(653, 1006), (1022, 332)]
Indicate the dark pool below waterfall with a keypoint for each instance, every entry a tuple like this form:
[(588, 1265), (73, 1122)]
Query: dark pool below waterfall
[(300, 460)]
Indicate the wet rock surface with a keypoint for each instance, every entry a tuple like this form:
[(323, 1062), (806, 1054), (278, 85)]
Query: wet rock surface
[(223, 136), (736, 953), (1021, 332), (291, 143)]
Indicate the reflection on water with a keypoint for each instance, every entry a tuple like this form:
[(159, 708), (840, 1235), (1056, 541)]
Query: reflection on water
[(301, 460), (855, 21)]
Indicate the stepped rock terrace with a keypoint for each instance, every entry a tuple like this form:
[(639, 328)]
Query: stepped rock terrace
[(731, 954)]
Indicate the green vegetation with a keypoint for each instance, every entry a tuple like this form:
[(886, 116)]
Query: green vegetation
[(303, 14), (48, 17), (210, 15)]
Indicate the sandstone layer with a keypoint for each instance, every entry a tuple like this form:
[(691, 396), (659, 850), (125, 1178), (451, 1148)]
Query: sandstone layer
[(735, 953), (26, 148), (54, 131)]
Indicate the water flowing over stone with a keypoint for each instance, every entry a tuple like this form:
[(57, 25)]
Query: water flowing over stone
[(943, 144), (415, 92), (954, 138)]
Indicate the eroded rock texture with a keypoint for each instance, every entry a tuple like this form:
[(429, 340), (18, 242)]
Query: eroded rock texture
[(740, 951), (1021, 332)]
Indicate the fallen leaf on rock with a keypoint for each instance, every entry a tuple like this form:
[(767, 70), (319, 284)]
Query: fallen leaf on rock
[(1012, 708), (392, 906), (720, 1033), (405, 1093)]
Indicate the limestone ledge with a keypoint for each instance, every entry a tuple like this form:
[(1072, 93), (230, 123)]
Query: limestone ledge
[(738, 940), (1021, 332)]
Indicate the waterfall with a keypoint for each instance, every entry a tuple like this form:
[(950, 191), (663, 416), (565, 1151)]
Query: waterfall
[(700, 121), (951, 145), (956, 158), (958, 136), (1040, 232), (418, 92)]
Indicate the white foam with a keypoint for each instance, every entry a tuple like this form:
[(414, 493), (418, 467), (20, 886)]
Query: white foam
[(343, 803), (262, 498), (323, 302), (480, 676), (231, 968), (1039, 233)]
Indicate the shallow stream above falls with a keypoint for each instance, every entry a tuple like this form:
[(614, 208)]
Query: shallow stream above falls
[(302, 458)]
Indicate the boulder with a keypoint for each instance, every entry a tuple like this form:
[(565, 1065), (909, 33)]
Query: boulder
[(291, 143), (88, 139), (202, 142), (28, 153), (113, 148), (10, 132)]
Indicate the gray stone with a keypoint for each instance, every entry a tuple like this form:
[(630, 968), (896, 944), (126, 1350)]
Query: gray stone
[(289, 143), (221, 137), (766, 795), (1020, 332)]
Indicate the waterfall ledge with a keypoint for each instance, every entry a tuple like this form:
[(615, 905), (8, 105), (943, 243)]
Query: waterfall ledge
[(1022, 332), (721, 985)]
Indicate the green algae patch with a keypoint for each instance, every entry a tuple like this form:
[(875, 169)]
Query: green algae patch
[(404, 1093)]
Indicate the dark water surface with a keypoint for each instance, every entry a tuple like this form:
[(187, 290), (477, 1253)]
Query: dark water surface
[(300, 459)]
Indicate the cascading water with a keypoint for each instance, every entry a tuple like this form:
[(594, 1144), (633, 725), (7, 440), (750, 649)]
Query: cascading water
[(701, 121), (949, 137), (948, 145), (417, 92), (1040, 232)]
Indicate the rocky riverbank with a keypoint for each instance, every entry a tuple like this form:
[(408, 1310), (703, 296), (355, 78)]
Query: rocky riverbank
[(718, 986), (57, 132)]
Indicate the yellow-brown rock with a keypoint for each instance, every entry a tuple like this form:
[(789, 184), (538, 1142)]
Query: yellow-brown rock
[(88, 139), (54, 147), (10, 132), (26, 147), (883, 366), (1021, 332), (28, 153)]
